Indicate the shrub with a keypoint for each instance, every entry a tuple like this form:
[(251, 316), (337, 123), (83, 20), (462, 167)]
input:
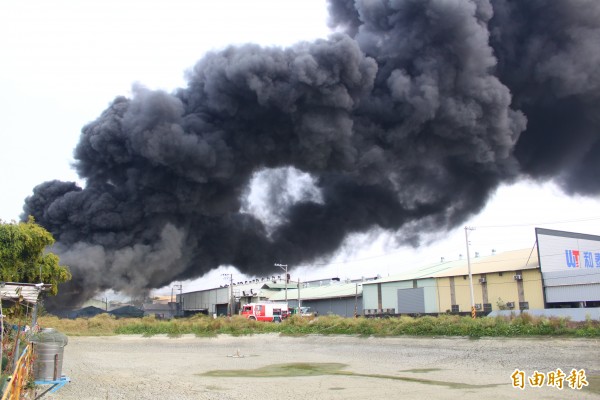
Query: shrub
[(443, 325)]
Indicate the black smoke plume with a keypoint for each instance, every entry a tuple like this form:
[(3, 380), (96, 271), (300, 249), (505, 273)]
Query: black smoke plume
[(406, 119)]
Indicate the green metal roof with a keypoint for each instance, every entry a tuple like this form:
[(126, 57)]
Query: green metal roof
[(319, 292), (271, 285)]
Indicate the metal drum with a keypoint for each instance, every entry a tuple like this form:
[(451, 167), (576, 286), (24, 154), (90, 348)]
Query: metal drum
[(49, 345)]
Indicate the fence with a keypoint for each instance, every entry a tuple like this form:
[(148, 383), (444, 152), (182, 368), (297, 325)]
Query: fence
[(22, 376)]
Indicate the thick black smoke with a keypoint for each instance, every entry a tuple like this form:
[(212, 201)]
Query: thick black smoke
[(548, 55), (407, 120)]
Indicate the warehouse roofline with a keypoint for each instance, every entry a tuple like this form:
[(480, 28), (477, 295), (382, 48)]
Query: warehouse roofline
[(502, 262)]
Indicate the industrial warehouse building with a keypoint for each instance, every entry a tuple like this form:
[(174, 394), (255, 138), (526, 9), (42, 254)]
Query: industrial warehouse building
[(210, 301), (218, 300), (344, 299), (561, 271), (570, 267), (328, 296), (506, 280)]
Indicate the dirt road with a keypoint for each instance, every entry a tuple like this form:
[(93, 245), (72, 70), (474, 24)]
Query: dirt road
[(322, 367)]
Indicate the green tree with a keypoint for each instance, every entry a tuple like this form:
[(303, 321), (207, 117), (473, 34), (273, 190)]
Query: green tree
[(23, 255)]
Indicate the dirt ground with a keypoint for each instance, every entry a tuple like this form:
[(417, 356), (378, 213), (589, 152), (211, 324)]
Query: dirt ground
[(321, 367)]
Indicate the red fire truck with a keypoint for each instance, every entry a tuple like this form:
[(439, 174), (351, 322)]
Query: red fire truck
[(265, 311)]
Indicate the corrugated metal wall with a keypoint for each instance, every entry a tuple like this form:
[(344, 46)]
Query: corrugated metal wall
[(205, 299), (573, 285), (369, 298), (390, 290), (411, 301), (573, 293), (389, 293), (430, 292), (341, 306)]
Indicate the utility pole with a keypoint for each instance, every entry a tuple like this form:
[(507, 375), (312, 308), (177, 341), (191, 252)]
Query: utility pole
[(473, 311), (299, 300), (356, 302), (180, 304), (230, 302), (285, 268)]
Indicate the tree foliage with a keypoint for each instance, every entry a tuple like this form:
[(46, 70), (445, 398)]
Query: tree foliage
[(23, 255)]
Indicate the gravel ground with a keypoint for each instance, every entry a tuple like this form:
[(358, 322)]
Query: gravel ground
[(134, 367)]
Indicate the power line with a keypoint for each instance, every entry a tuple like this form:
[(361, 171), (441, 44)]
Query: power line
[(356, 260), (325, 264), (538, 223)]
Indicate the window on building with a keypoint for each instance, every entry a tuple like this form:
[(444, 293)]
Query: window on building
[(523, 305), (487, 307), (455, 308)]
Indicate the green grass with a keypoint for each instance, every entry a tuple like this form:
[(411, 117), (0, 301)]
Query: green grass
[(282, 370), (317, 369), (443, 325)]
